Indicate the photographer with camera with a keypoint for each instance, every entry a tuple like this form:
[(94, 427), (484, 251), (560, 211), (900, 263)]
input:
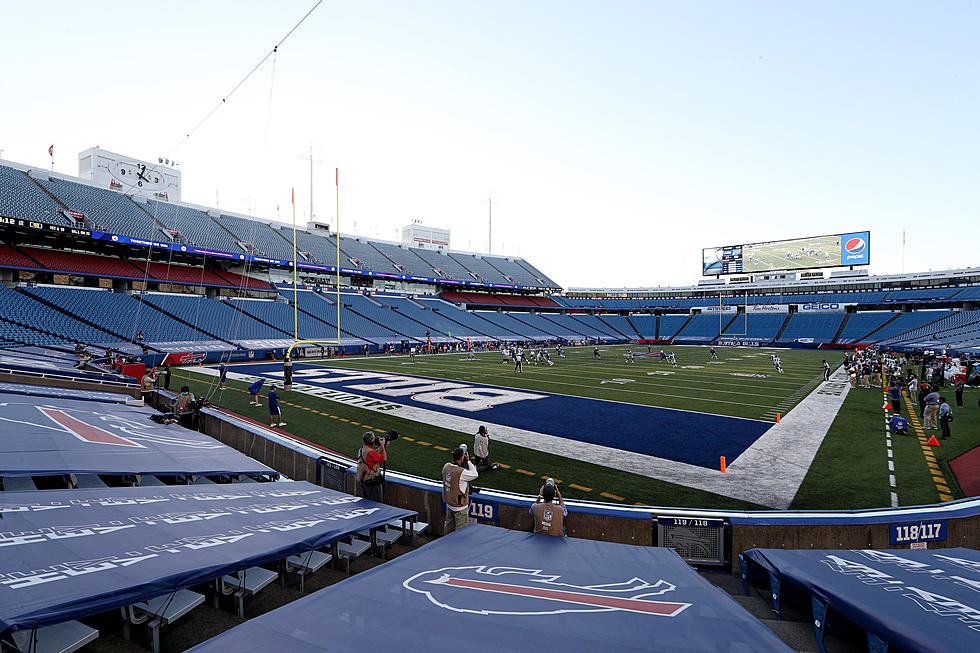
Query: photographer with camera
[(548, 513), (371, 465), (183, 407), (456, 476)]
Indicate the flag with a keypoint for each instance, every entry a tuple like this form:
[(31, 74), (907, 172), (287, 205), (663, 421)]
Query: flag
[(51, 151)]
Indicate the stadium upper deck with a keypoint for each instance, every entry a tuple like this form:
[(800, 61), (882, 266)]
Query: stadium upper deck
[(31, 194)]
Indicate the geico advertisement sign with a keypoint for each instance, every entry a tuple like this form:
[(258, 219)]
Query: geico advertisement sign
[(822, 308)]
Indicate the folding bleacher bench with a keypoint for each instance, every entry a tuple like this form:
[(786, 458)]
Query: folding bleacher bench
[(18, 483), (242, 583), (87, 481), (60, 638), (303, 564), (159, 612)]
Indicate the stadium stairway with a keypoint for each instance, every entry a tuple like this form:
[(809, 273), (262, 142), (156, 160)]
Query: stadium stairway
[(314, 316), (782, 328), (116, 336), (350, 307), (794, 623), (177, 318), (633, 326), (916, 328), (608, 322), (879, 328), (579, 331), (728, 325), (427, 327), (238, 307), (449, 316), (840, 329), (670, 336)]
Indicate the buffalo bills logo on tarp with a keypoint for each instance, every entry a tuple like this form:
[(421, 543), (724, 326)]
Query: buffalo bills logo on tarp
[(514, 591), (184, 358), (99, 428), (855, 245)]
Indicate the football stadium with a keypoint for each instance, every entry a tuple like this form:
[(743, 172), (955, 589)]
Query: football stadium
[(238, 418)]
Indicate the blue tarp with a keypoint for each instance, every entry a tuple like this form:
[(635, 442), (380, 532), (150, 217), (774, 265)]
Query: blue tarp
[(40, 436), (65, 393), (492, 589), (916, 600), (67, 554), (55, 367)]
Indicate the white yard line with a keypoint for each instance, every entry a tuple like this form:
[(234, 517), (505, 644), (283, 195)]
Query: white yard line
[(768, 473)]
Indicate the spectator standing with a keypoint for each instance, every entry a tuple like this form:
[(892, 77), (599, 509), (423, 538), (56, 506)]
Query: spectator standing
[(549, 511), (931, 401), (945, 417), (959, 393), (146, 386), (923, 391), (481, 450), (456, 476), (826, 368), (166, 376), (222, 376), (895, 396), (370, 478)]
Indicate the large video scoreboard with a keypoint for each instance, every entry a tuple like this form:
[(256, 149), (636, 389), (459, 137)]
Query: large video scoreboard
[(833, 251)]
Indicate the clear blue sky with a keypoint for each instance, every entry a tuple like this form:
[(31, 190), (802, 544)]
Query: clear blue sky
[(618, 138)]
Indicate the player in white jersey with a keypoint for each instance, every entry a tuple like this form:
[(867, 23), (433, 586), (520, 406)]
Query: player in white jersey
[(629, 355)]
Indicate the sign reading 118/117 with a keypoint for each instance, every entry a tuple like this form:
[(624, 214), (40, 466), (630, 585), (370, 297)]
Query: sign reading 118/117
[(928, 531)]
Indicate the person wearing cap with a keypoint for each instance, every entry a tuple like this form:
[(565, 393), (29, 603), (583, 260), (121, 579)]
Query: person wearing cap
[(275, 412), (456, 477), (899, 424), (549, 510), (369, 467), (222, 375)]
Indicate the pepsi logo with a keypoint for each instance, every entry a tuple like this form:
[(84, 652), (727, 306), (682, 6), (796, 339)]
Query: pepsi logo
[(855, 245)]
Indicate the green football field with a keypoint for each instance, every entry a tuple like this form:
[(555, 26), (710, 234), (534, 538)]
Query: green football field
[(849, 470)]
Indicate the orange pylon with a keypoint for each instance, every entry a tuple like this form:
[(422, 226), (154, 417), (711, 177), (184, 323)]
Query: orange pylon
[(723, 465), (933, 441)]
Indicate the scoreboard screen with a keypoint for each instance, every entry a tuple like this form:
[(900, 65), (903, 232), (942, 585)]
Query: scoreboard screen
[(837, 250)]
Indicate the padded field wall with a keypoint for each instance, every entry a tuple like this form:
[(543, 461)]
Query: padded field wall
[(601, 525)]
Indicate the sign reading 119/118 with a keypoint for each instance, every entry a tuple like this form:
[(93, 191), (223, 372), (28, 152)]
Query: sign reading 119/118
[(927, 531)]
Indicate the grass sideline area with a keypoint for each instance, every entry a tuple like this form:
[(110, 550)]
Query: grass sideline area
[(850, 470), (742, 383), (423, 449)]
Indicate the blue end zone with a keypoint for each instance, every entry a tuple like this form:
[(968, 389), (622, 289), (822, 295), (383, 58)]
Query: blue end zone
[(683, 436)]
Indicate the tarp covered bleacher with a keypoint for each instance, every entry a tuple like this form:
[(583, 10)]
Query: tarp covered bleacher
[(42, 436), (915, 600), (71, 553), (493, 589)]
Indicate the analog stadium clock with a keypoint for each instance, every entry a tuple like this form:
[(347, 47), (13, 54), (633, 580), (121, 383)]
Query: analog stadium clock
[(137, 174)]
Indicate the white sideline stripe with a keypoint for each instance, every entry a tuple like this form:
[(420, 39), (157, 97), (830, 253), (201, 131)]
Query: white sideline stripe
[(894, 498), (768, 473)]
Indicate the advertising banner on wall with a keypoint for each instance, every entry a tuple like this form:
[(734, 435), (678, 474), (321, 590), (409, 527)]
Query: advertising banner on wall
[(767, 308)]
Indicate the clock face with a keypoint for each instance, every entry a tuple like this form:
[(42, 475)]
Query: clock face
[(138, 176)]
